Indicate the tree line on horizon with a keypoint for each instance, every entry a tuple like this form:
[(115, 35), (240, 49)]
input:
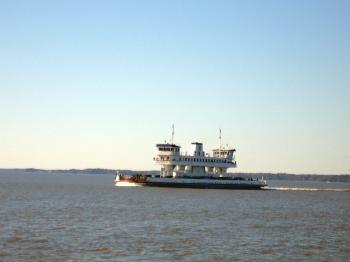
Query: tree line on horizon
[(268, 176)]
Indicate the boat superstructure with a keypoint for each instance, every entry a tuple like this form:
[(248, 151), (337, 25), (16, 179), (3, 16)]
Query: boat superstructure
[(197, 164)]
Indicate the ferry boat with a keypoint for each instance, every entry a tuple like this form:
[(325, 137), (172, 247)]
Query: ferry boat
[(194, 170)]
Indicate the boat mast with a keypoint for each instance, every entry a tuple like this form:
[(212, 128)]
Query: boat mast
[(172, 134), (220, 142)]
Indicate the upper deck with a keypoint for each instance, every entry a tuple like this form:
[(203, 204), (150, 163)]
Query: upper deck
[(169, 154)]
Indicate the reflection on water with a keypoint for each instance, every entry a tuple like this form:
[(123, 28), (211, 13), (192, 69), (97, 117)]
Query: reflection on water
[(86, 218)]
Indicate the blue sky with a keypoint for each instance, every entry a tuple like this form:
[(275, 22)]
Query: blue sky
[(98, 83)]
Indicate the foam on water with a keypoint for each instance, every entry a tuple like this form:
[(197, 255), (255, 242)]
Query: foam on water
[(306, 189), (126, 184)]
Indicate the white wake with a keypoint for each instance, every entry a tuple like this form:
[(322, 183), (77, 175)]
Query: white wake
[(127, 184), (307, 189)]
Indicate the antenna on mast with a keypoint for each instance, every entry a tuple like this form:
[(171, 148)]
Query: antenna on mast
[(172, 134), (220, 142)]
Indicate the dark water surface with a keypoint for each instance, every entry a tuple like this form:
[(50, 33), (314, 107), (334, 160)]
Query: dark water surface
[(60, 217)]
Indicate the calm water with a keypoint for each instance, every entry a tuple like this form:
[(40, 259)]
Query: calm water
[(47, 217)]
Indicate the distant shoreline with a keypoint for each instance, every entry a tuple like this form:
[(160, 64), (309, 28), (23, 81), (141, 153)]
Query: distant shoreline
[(269, 176)]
